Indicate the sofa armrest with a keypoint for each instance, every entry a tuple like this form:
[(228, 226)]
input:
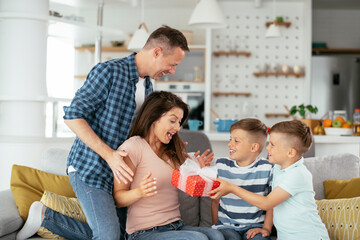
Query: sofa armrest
[(10, 220)]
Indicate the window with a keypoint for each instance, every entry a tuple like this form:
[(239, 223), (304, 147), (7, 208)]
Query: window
[(60, 84)]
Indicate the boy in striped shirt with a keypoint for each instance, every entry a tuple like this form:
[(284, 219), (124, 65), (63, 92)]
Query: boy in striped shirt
[(231, 215)]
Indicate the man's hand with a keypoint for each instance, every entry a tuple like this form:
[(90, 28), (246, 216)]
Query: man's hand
[(147, 186), (120, 169), (224, 188), (252, 232), (205, 158)]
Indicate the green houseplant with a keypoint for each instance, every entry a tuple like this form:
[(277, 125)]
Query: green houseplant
[(303, 110)]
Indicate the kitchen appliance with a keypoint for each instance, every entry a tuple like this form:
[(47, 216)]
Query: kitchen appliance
[(190, 93), (335, 83)]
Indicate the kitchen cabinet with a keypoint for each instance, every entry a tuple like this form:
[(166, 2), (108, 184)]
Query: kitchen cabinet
[(191, 69)]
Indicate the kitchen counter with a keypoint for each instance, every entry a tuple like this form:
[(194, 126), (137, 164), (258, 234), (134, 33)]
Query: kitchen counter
[(324, 145)]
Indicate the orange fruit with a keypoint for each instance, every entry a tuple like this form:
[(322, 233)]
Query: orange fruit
[(327, 122), (345, 125), (340, 119)]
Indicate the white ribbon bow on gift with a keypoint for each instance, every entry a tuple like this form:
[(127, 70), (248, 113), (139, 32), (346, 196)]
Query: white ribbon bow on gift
[(192, 167)]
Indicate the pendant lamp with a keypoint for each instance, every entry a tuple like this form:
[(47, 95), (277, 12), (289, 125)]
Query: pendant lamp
[(141, 35), (274, 30), (207, 14)]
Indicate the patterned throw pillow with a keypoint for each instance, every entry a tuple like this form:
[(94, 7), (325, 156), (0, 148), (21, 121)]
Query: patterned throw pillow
[(65, 205), (28, 185), (341, 217)]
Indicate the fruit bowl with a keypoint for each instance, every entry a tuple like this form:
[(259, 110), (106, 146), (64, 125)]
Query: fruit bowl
[(337, 131)]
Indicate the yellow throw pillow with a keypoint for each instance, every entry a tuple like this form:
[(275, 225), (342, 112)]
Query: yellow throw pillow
[(342, 188), (28, 185), (65, 205), (341, 217)]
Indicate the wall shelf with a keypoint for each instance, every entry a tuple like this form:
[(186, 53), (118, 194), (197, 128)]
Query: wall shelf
[(286, 24), (124, 48), (60, 27), (217, 94), (103, 49), (262, 74), (235, 53), (318, 51), (270, 115)]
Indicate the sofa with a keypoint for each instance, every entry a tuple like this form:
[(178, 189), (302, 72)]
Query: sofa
[(194, 210)]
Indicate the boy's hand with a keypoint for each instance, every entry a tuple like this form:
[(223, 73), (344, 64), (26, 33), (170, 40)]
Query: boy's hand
[(205, 158), (252, 232), (224, 188), (147, 186)]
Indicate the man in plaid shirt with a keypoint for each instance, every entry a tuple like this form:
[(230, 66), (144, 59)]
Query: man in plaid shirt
[(101, 114)]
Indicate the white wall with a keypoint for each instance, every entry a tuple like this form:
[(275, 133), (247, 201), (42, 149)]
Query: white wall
[(29, 151)]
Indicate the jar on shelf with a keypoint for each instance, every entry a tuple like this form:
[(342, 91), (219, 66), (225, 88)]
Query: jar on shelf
[(356, 122), (340, 113), (197, 74)]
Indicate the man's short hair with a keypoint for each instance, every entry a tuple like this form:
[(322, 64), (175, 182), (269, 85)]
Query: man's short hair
[(167, 38)]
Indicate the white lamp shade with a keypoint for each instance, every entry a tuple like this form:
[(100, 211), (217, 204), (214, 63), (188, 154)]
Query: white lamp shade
[(138, 40), (273, 31), (207, 14)]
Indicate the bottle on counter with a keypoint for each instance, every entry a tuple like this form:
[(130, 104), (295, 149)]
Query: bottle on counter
[(356, 122)]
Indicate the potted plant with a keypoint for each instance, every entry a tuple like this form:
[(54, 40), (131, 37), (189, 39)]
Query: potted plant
[(303, 111)]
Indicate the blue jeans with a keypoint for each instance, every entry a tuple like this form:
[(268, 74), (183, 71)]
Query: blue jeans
[(232, 234), (177, 231), (105, 221)]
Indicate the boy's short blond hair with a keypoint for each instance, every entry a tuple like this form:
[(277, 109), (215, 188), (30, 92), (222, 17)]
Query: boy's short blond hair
[(257, 130), (300, 136)]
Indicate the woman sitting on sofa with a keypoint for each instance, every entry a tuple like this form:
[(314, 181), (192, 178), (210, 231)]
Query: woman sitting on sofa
[(154, 150)]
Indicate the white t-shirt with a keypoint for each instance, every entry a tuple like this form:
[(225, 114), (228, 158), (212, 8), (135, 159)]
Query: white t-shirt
[(140, 93)]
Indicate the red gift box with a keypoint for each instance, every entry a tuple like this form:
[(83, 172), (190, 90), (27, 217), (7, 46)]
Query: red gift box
[(193, 185)]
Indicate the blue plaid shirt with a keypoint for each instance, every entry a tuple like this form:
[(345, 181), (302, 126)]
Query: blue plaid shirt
[(107, 102)]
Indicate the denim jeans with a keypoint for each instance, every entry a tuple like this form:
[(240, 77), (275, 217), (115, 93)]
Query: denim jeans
[(105, 221), (177, 231), (232, 234)]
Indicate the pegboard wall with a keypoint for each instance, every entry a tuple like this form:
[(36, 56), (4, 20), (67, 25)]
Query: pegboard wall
[(246, 32)]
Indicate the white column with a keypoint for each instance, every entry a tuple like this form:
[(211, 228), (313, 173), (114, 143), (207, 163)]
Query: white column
[(208, 91), (23, 68), (23, 42)]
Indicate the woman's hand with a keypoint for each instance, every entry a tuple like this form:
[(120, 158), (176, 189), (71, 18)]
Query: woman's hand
[(147, 186), (252, 232), (224, 188), (205, 158)]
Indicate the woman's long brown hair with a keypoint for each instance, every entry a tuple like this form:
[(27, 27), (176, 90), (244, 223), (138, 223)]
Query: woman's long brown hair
[(154, 107)]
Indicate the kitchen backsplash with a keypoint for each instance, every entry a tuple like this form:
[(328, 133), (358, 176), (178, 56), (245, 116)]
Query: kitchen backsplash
[(235, 73)]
